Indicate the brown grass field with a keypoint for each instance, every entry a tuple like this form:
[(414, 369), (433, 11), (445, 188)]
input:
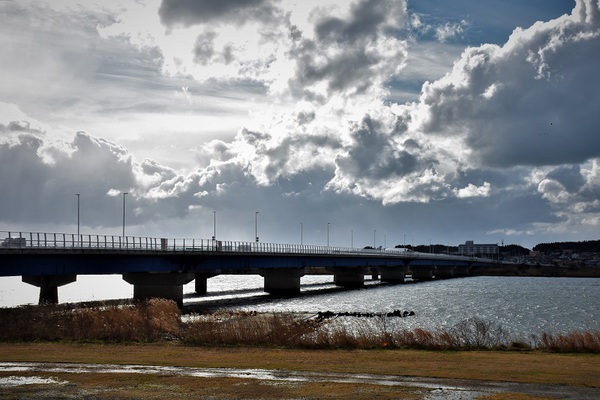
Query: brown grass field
[(576, 372), (91, 352)]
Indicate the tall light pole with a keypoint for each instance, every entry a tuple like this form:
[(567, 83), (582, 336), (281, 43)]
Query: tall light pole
[(124, 194), (301, 233), (374, 232), (328, 233), (214, 225), (256, 226), (351, 238), (77, 194)]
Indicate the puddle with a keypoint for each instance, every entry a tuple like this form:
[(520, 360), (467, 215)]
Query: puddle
[(12, 381), (429, 388)]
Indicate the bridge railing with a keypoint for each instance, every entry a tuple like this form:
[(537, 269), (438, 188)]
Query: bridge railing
[(75, 242)]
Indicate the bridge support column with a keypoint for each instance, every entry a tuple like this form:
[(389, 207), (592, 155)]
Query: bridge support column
[(461, 271), (282, 282), (392, 274), (48, 285), (444, 272), (166, 285), (349, 278), (424, 273), (200, 281)]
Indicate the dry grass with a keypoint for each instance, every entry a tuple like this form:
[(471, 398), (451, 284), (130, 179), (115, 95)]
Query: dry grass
[(152, 320), (531, 367), (588, 342), (159, 320)]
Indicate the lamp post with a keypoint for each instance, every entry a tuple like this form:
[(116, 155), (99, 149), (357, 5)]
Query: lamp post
[(77, 194), (328, 233), (301, 233), (214, 225), (374, 232), (124, 194), (256, 226), (351, 238)]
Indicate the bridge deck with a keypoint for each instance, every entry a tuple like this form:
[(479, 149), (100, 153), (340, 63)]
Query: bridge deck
[(157, 265)]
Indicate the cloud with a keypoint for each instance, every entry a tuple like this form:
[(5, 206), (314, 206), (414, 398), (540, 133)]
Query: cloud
[(192, 12), (504, 142), (449, 31), (525, 103)]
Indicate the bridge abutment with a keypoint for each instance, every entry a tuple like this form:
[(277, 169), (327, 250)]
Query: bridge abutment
[(48, 285), (392, 274), (282, 282), (349, 277), (166, 285)]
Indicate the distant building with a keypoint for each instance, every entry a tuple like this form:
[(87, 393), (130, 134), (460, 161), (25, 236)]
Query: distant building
[(481, 250)]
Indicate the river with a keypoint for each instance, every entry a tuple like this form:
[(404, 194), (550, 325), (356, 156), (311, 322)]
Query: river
[(522, 305)]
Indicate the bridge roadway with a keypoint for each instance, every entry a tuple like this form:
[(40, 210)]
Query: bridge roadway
[(159, 267)]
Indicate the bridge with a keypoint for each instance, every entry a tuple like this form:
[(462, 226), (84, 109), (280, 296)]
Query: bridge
[(159, 267)]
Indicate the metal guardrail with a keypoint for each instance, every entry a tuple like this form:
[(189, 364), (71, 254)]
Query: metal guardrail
[(69, 241)]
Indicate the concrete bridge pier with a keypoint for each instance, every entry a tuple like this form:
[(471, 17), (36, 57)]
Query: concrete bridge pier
[(392, 274), (422, 273), (444, 272), (48, 285), (461, 271), (165, 285), (349, 277), (282, 282), (201, 282)]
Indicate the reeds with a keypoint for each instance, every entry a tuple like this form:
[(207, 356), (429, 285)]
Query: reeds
[(159, 320), (574, 342), (151, 320)]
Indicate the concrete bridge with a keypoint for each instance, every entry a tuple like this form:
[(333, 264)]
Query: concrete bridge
[(159, 267)]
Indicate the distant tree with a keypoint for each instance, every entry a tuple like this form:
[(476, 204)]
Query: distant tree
[(588, 246), (514, 250)]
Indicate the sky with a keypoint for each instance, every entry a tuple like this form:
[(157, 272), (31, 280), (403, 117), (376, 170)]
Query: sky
[(381, 122)]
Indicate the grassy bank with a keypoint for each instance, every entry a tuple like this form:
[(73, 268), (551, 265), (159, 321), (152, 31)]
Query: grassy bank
[(530, 367), (153, 334), (160, 320)]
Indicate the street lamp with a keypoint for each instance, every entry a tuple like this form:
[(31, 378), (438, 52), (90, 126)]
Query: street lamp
[(214, 225), (374, 232), (77, 194), (301, 233), (328, 233), (351, 238), (124, 194), (256, 226)]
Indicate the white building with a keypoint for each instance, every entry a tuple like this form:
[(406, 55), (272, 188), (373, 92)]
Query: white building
[(481, 250)]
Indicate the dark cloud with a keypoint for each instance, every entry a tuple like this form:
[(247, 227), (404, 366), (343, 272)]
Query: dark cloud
[(569, 176), (350, 55), (529, 102), (193, 12), (375, 156), (43, 180), (367, 19)]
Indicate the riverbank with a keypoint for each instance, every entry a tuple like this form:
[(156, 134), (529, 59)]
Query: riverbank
[(269, 373), (159, 320)]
